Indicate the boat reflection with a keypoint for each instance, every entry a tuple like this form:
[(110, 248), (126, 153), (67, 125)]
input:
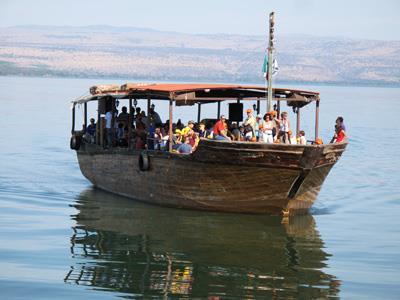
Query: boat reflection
[(136, 249)]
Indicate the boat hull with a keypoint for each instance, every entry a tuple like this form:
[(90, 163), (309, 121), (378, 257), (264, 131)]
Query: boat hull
[(264, 179)]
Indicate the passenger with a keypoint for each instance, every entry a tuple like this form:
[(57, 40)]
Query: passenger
[(340, 134), (185, 148), (220, 132), (292, 139), (193, 140), (250, 121), (144, 120), (236, 132), (284, 128), (339, 122), (109, 129), (185, 131), (123, 116), (241, 130), (340, 131), (267, 129), (258, 127), (91, 132), (158, 139), (302, 138), (154, 116), (202, 130)]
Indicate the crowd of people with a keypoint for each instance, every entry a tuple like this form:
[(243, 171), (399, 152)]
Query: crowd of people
[(149, 132)]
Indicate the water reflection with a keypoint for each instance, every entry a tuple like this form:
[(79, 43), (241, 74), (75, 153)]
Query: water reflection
[(137, 249)]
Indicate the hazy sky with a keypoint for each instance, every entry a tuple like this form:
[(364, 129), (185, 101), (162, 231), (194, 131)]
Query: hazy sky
[(372, 19)]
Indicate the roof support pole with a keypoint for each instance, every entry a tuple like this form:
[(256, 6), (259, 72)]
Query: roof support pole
[(170, 124), (316, 119), (99, 126), (113, 119), (73, 119), (130, 123), (198, 112), (85, 116), (298, 121), (218, 109), (258, 106), (148, 105)]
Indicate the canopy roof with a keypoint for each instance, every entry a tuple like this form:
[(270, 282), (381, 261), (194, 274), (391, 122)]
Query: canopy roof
[(189, 94)]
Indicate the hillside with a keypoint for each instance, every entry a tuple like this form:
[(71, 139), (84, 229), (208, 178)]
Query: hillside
[(135, 53)]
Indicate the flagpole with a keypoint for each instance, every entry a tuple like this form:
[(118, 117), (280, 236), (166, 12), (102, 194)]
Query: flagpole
[(270, 59)]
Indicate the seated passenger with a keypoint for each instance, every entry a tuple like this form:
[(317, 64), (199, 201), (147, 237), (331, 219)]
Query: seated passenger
[(202, 130), (185, 131), (340, 134), (235, 132), (220, 132), (185, 148), (158, 139), (302, 138), (91, 132)]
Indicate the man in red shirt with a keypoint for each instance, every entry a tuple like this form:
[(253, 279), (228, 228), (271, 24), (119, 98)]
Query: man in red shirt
[(220, 130)]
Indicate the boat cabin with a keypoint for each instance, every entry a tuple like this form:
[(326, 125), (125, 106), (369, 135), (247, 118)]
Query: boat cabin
[(109, 96)]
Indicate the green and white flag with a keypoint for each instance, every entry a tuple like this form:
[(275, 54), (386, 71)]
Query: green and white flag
[(275, 67)]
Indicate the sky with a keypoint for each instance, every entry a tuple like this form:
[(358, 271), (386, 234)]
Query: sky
[(365, 19)]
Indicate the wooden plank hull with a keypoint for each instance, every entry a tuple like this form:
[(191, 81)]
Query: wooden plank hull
[(219, 176)]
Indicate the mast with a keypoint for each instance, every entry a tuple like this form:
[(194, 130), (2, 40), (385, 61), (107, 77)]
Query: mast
[(270, 59)]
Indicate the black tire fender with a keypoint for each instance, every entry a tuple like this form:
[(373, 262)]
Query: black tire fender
[(144, 161), (75, 142)]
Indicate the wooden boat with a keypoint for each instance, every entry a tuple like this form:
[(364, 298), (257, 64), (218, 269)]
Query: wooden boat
[(226, 176), (241, 177)]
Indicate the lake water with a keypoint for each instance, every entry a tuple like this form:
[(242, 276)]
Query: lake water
[(60, 238)]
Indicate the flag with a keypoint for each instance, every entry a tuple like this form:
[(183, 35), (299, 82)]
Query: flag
[(275, 67)]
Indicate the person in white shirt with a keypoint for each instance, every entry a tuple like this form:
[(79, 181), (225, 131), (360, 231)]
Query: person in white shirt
[(109, 130), (302, 138), (267, 127)]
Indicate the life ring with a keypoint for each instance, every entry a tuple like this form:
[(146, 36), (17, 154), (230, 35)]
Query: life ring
[(144, 161), (75, 142)]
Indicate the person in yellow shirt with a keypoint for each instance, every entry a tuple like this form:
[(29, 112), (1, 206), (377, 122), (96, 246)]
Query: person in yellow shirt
[(185, 131)]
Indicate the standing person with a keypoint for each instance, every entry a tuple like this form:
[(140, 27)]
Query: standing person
[(109, 129), (220, 132), (154, 116), (267, 127), (284, 128), (250, 121)]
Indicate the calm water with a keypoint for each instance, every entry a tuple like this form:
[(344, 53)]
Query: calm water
[(60, 238)]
